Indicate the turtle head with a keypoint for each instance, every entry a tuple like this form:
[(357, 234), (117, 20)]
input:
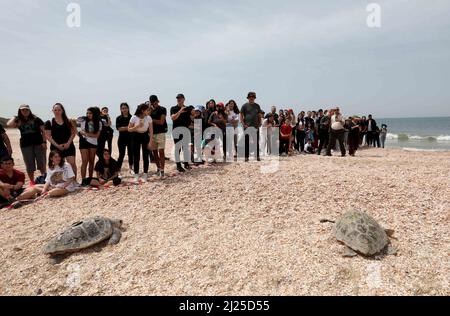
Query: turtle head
[(117, 223)]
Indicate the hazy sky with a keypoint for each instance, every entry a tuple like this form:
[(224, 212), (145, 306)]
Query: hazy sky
[(294, 54)]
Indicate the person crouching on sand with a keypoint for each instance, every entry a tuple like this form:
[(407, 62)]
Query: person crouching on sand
[(60, 178), (11, 184), (107, 171)]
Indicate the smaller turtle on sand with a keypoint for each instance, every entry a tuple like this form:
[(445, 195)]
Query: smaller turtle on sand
[(362, 235), (85, 234)]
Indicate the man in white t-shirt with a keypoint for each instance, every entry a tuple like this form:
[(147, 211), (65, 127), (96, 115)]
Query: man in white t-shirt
[(337, 132)]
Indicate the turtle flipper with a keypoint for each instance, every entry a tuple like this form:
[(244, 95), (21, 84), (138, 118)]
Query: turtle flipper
[(349, 253), (115, 237)]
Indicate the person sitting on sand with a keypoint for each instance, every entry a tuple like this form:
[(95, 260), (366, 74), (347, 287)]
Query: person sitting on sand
[(11, 184), (107, 171), (60, 178), (309, 148), (5, 144)]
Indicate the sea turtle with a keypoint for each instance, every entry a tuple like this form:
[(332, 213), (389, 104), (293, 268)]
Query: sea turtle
[(84, 234), (362, 234)]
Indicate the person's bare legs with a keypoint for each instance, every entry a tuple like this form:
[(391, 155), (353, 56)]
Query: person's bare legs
[(57, 193), (162, 159), (28, 194), (31, 176), (92, 155), (84, 162), (71, 161)]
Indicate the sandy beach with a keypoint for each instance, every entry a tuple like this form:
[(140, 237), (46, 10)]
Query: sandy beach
[(234, 230)]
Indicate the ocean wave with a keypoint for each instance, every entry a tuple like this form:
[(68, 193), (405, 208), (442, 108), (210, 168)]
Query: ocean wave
[(424, 150), (406, 137)]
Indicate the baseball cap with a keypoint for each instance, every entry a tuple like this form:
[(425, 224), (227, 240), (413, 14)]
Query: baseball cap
[(180, 96), (221, 105), (199, 108), (24, 106)]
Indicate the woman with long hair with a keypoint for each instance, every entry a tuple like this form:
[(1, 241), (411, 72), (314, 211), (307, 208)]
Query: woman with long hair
[(125, 140), (141, 128), (60, 132), (90, 132), (300, 132), (33, 142), (60, 178), (233, 114)]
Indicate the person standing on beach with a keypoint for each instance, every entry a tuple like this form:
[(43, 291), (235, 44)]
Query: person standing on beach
[(353, 135), (337, 132), (219, 120), (324, 131), (5, 144), (233, 115), (60, 132), (160, 129), (106, 134), (371, 131), (141, 128), (89, 134), (300, 132), (383, 135), (181, 117), (124, 143), (32, 141), (251, 117)]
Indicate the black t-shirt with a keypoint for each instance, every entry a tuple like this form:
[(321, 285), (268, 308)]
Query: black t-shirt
[(30, 132), (251, 113), (309, 121), (107, 170), (60, 133), (106, 130), (184, 120), (156, 115), (2, 143), (122, 121)]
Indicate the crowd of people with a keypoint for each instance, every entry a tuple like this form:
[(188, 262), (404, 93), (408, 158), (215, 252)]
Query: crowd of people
[(143, 136)]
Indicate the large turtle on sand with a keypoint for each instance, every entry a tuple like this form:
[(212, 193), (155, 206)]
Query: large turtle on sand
[(362, 234), (85, 234)]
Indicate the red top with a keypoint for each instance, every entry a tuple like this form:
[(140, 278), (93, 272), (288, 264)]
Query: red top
[(286, 130), (18, 176)]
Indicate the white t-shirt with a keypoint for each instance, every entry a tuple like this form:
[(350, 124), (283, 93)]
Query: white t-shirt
[(233, 117), (58, 176), (337, 122), (147, 121), (91, 140)]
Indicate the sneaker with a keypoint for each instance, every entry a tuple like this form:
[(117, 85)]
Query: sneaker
[(145, 177), (162, 174), (136, 178), (187, 167), (132, 172), (180, 169)]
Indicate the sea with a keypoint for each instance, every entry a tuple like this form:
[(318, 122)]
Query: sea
[(418, 134)]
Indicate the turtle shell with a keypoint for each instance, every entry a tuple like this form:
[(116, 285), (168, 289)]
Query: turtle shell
[(80, 235), (361, 233)]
